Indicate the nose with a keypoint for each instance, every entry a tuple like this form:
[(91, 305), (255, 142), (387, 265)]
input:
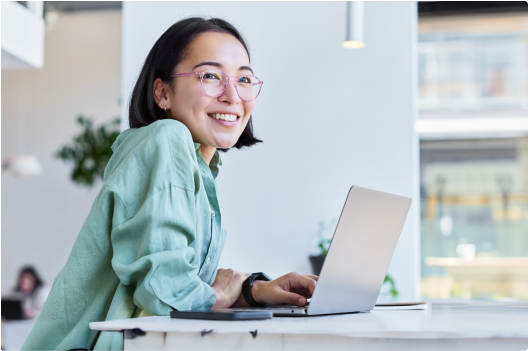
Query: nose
[(230, 95)]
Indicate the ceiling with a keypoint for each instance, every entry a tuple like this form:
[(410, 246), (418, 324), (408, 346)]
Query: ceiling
[(77, 6)]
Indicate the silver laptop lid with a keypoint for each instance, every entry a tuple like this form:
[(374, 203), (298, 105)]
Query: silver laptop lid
[(360, 252)]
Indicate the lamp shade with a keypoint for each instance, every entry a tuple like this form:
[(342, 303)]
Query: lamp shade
[(354, 25), (22, 166)]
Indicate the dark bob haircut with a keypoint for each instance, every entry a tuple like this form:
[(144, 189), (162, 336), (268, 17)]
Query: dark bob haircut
[(167, 52), (29, 270)]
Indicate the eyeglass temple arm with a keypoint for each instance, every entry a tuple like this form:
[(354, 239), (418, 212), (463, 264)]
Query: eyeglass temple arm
[(184, 74), (200, 73)]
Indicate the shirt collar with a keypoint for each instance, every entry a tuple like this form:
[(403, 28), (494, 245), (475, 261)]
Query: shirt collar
[(215, 161)]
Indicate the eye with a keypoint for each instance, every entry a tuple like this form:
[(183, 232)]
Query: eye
[(211, 75), (245, 80)]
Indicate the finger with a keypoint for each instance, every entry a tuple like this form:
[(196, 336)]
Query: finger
[(314, 277), (301, 281), (291, 298), (302, 292)]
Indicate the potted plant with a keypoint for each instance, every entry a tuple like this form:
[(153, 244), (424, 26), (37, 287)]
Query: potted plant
[(324, 243), (90, 151)]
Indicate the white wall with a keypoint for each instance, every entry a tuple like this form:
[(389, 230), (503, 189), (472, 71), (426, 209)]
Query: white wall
[(347, 120), (42, 216)]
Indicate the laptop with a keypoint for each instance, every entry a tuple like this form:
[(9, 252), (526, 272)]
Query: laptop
[(358, 258), (12, 309)]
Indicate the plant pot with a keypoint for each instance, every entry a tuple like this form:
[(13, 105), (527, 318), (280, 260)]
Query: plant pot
[(317, 263)]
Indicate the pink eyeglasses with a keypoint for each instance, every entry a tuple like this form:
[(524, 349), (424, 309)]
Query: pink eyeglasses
[(214, 84)]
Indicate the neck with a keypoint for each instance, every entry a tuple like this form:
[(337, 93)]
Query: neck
[(207, 153)]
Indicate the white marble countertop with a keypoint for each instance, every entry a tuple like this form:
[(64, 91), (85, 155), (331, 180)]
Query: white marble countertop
[(440, 320)]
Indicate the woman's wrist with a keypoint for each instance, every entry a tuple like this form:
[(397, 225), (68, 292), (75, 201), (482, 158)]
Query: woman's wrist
[(222, 300), (256, 290), (218, 303)]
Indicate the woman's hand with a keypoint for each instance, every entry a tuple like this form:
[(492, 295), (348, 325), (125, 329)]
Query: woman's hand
[(292, 288), (28, 313), (228, 287)]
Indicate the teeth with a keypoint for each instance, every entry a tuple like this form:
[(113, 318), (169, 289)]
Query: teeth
[(225, 117)]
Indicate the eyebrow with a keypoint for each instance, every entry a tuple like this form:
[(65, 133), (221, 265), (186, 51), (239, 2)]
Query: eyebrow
[(219, 65)]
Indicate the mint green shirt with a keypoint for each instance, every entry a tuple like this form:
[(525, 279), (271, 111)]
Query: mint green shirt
[(152, 241)]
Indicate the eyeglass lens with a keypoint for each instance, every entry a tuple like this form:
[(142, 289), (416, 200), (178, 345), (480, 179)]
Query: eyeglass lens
[(214, 84)]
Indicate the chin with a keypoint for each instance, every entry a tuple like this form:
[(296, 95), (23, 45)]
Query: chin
[(226, 143)]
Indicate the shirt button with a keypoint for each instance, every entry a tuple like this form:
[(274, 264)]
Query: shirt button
[(213, 213), (208, 260)]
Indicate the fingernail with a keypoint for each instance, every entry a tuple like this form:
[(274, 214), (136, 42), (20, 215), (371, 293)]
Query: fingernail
[(301, 301)]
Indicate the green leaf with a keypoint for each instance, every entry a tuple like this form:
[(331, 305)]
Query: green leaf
[(388, 279), (90, 151), (324, 243)]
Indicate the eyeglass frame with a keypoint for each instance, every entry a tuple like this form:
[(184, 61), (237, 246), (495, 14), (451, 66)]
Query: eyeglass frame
[(228, 79)]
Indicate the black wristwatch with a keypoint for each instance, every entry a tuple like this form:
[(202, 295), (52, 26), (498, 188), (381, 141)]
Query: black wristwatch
[(248, 284)]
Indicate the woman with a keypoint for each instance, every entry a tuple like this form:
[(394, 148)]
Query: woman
[(153, 238), (31, 291)]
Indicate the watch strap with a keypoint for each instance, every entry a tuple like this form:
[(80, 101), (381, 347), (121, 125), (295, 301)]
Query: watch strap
[(247, 286)]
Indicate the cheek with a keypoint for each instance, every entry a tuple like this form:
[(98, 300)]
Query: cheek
[(248, 109), (190, 102), (200, 104)]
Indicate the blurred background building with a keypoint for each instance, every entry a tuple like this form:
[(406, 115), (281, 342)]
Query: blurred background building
[(473, 127)]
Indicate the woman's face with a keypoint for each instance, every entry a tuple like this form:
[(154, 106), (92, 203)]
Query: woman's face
[(27, 283), (211, 51)]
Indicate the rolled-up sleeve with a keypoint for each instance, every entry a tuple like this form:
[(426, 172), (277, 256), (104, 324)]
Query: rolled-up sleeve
[(154, 251)]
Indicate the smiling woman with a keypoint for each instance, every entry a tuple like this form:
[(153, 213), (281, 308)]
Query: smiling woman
[(207, 45), (153, 238)]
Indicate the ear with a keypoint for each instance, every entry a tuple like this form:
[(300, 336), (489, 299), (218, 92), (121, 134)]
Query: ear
[(161, 94)]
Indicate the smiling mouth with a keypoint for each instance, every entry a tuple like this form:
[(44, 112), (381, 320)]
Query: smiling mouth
[(223, 117)]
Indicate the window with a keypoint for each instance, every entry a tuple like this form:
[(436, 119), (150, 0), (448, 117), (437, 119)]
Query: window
[(474, 190)]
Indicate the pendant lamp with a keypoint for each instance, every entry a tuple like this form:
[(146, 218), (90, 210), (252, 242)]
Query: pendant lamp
[(354, 25), (22, 166)]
